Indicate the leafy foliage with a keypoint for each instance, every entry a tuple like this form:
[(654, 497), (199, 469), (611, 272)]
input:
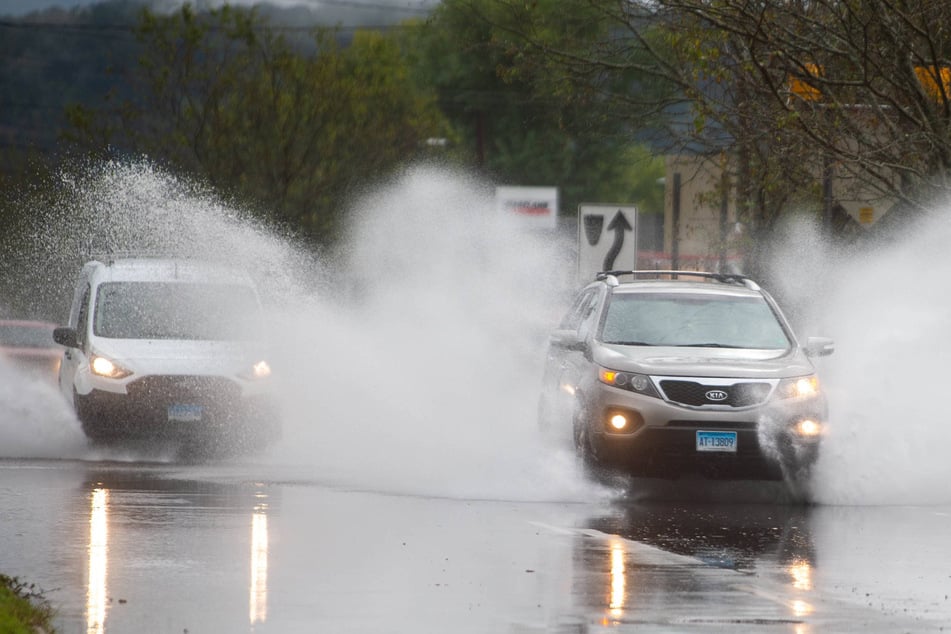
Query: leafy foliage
[(222, 97), (517, 120), (23, 607)]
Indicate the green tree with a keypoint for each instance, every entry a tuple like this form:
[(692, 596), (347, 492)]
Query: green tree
[(787, 87), (225, 98), (518, 121)]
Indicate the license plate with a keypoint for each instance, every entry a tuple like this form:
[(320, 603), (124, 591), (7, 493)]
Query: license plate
[(184, 413), (716, 441)]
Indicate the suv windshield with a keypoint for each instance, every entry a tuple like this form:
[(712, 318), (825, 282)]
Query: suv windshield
[(685, 319), (176, 310)]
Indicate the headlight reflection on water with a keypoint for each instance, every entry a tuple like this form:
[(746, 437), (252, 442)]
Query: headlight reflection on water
[(617, 597), (98, 562), (800, 572), (257, 600), (618, 578)]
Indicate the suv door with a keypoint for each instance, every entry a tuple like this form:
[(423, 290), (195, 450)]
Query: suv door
[(566, 362)]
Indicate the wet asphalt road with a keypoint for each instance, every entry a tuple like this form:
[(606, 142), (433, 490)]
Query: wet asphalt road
[(246, 547)]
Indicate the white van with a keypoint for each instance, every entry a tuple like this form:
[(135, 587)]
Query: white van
[(167, 348)]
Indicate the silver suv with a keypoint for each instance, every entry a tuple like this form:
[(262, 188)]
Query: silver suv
[(679, 371), (167, 348)]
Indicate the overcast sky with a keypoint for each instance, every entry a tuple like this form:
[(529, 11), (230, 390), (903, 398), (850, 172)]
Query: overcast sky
[(21, 7)]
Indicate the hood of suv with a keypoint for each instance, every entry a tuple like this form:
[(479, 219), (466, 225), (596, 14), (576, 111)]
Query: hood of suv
[(711, 362)]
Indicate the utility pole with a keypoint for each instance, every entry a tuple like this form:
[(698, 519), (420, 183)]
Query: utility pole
[(827, 200), (724, 209), (675, 224)]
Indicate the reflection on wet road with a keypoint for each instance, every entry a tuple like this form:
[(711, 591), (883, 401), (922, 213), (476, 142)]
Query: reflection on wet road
[(98, 561), (253, 548), (259, 548), (729, 565)]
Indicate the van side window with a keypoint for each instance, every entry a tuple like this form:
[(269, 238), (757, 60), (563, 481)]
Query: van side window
[(82, 324)]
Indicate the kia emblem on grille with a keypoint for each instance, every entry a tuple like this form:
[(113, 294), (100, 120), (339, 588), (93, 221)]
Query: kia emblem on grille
[(717, 395)]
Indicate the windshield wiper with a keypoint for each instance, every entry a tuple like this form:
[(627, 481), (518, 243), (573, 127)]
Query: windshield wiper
[(705, 345), (629, 343)]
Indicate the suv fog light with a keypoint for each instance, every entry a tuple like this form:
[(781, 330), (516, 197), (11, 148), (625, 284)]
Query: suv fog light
[(808, 428), (618, 421)]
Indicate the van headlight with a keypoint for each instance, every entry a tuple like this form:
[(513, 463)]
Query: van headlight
[(798, 387), (261, 370), (258, 371), (107, 368)]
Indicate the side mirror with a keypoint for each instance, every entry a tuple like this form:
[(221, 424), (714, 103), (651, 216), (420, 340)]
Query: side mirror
[(65, 337), (819, 346), (567, 339)]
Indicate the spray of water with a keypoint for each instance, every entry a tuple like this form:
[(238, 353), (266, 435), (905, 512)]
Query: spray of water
[(409, 360), (34, 421), (885, 308), (420, 367)]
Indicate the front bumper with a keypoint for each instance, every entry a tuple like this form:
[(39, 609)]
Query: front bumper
[(187, 407), (662, 441)]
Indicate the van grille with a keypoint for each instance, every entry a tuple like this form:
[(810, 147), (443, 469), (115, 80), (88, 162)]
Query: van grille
[(200, 389)]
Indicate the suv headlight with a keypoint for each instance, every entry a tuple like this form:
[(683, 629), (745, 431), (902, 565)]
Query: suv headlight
[(101, 366), (632, 381), (798, 387)]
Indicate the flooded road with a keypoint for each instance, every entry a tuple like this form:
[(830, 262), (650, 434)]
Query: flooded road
[(253, 547), (411, 494)]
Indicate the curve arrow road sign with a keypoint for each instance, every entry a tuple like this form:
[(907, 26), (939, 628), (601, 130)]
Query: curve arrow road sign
[(619, 225), (607, 238)]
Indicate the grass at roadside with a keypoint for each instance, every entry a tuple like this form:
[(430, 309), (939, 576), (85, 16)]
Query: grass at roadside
[(23, 608)]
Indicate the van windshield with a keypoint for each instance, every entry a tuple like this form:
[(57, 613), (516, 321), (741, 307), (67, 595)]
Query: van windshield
[(177, 310)]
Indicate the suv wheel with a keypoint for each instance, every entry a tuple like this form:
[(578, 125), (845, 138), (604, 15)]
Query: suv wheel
[(583, 449)]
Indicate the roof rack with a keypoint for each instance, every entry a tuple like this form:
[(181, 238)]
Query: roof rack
[(725, 278), (110, 257)]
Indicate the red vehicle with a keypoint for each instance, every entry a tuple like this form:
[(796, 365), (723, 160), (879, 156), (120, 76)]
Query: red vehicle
[(29, 346)]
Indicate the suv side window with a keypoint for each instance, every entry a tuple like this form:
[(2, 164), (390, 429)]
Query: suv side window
[(580, 311), (589, 314)]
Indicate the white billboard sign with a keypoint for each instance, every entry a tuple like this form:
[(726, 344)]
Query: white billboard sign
[(607, 238), (532, 206)]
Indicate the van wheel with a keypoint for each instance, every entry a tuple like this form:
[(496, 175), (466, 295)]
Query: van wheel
[(87, 418)]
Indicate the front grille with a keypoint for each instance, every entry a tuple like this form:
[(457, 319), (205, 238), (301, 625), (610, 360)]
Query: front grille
[(701, 424), (697, 394), (184, 389)]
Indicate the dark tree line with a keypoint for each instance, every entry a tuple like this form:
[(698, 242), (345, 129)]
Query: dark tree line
[(293, 121), (542, 93)]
